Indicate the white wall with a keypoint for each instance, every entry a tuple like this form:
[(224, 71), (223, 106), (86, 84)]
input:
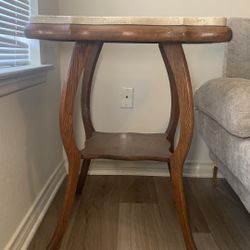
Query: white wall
[(30, 147), (140, 66)]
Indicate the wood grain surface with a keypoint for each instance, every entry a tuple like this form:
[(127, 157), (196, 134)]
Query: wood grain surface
[(127, 146), (81, 53), (112, 205), (87, 87), (176, 64), (174, 112), (129, 33)]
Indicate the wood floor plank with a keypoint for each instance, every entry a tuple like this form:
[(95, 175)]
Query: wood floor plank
[(135, 213), (234, 215), (138, 189), (172, 229), (205, 241), (96, 225), (217, 225), (197, 221), (140, 227), (47, 226)]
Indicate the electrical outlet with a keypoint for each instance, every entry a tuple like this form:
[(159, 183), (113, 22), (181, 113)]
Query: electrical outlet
[(127, 98)]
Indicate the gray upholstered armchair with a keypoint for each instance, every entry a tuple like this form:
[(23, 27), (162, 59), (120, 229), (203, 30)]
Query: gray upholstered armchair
[(223, 109)]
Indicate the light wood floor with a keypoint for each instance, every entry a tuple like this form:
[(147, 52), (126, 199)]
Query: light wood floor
[(137, 213)]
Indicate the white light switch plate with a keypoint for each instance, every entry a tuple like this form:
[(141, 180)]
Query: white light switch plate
[(127, 98)]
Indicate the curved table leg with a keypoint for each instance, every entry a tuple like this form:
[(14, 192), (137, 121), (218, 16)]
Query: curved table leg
[(176, 64), (174, 113), (81, 53), (86, 88), (85, 106), (82, 176)]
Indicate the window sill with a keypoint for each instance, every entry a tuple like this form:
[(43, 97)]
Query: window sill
[(16, 79)]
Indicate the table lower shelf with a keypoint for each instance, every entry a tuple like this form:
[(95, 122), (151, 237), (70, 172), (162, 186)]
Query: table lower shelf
[(127, 146)]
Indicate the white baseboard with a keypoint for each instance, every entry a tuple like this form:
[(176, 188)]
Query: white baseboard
[(147, 168), (26, 230)]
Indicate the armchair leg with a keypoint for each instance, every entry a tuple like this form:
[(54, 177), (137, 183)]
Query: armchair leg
[(215, 173)]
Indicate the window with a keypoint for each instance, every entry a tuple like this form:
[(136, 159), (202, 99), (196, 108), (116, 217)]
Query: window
[(14, 47)]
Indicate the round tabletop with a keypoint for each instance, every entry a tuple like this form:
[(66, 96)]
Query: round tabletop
[(129, 29)]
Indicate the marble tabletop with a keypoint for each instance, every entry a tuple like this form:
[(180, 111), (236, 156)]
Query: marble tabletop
[(129, 20)]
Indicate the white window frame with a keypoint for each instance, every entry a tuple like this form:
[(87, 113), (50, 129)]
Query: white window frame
[(35, 57), (14, 79), (34, 45)]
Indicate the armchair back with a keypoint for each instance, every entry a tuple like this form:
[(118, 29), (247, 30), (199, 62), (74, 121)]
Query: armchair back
[(237, 52)]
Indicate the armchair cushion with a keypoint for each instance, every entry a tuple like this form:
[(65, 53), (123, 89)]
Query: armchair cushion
[(227, 100)]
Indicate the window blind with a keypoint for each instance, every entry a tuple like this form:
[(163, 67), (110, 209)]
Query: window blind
[(14, 47)]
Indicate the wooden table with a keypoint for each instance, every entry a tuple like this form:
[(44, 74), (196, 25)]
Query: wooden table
[(89, 34)]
